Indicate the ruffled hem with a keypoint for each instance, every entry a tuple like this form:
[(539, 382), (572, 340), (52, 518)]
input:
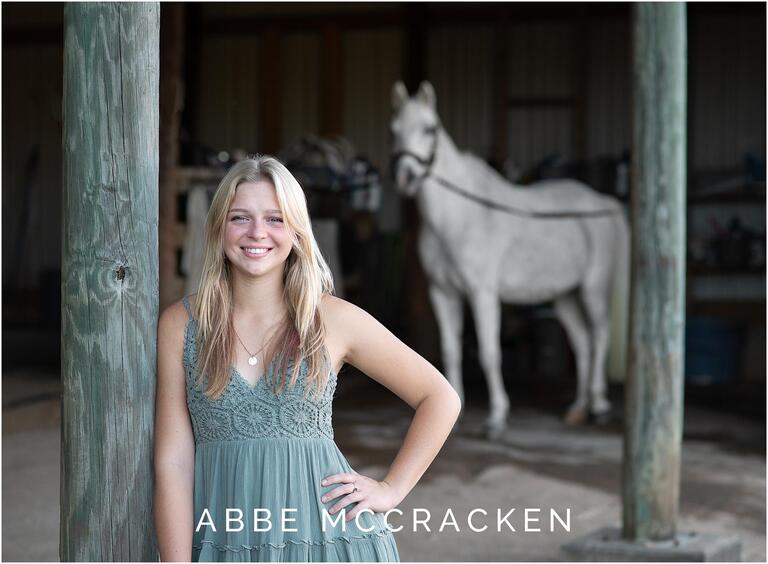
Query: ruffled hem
[(238, 548), (378, 546)]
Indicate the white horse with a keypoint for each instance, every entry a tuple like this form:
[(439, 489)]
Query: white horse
[(493, 242)]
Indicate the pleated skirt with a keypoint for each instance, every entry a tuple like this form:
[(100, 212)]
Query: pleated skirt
[(258, 500)]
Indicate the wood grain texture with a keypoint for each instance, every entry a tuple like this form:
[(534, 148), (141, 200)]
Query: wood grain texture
[(654, 388), (109, 280)]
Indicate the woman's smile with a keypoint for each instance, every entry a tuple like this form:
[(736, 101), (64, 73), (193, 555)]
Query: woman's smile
[(256, 252)]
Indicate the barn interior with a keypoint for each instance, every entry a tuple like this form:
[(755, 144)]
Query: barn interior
[(538, 91)]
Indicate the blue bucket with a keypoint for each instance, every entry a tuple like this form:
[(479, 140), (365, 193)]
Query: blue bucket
[(712, 348)]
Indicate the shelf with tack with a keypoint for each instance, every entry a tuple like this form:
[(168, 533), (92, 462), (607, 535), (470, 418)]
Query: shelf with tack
[(734, 290)]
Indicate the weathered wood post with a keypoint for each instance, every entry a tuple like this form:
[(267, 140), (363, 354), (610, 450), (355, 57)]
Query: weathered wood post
[(654, 387), (109, 280)]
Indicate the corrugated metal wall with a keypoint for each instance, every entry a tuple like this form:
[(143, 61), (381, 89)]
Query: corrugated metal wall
[(541, 58), (727, 64), (229, 101), (301, 61), (459, 67), (228, 89), (372, 61), (540, 62), (727, 110), (608, 88)]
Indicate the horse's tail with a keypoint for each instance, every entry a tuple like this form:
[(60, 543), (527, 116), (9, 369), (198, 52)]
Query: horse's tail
[(617, 353)]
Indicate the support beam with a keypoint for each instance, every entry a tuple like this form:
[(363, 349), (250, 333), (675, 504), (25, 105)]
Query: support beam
[(653, 417), (654, 387), (109, 280)]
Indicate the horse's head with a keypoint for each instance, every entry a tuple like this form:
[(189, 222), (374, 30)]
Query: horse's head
[(414, 129)]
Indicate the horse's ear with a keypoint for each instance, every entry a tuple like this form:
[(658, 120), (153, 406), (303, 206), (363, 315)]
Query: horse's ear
[(426, 95), (399, 94)]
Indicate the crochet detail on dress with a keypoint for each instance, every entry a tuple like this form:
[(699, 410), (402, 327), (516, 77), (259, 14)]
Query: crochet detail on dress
[(245, 412), (242, 547)]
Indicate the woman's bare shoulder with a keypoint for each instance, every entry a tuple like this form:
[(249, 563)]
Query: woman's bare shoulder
[(342, 318), (336, 315), (337, 311)]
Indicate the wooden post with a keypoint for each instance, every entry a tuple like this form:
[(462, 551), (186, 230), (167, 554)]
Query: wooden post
[(654, 387), (109, 280)]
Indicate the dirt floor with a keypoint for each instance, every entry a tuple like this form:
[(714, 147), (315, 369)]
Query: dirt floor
[(538, 463)]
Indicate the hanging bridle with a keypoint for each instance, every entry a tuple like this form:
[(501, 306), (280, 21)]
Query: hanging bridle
[(429, 161)]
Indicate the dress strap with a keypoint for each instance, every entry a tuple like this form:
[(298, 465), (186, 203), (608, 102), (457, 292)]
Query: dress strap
[(187, 305)]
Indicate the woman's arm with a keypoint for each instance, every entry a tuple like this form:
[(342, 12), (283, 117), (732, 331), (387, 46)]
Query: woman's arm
[(174, 442), (373, 349)]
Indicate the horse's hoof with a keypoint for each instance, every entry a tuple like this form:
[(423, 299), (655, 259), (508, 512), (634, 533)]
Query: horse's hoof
[(575, 417), (494, 432), (495, 427), (603, 418)]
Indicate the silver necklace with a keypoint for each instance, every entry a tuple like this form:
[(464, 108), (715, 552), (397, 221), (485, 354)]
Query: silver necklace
[(253, 359)]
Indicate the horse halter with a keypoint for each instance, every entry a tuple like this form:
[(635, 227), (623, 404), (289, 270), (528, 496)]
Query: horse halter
[(426, 162), (429, 161)]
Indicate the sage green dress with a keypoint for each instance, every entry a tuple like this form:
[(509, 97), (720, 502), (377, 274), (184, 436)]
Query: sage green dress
[(255, 449)]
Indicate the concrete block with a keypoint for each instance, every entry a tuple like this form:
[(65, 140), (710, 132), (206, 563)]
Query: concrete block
[(607, 544)]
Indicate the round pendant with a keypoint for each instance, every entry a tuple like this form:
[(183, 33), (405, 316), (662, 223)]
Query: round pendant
[(253, 360)]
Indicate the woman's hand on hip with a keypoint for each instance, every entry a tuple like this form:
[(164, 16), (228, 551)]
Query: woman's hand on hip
[(378, 496)]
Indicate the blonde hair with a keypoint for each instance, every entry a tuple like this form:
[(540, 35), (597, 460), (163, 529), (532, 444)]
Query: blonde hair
[(306, 278)]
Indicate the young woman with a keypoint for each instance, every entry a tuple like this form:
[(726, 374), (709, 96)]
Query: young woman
[(246, 468)]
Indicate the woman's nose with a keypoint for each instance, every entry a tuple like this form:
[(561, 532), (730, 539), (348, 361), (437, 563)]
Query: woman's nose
[(258, 229)]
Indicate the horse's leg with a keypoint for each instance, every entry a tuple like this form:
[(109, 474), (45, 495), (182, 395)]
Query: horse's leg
[(449, 312), (486, 310), (571, 317), (596, 307)]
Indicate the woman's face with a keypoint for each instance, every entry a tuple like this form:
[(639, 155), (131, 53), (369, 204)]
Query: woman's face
[(256, 241)]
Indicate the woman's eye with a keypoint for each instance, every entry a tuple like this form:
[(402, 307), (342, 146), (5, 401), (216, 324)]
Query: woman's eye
[(276, 219), (238, 218)]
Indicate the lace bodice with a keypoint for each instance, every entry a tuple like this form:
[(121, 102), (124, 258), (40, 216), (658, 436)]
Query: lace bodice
[(253, 412)]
